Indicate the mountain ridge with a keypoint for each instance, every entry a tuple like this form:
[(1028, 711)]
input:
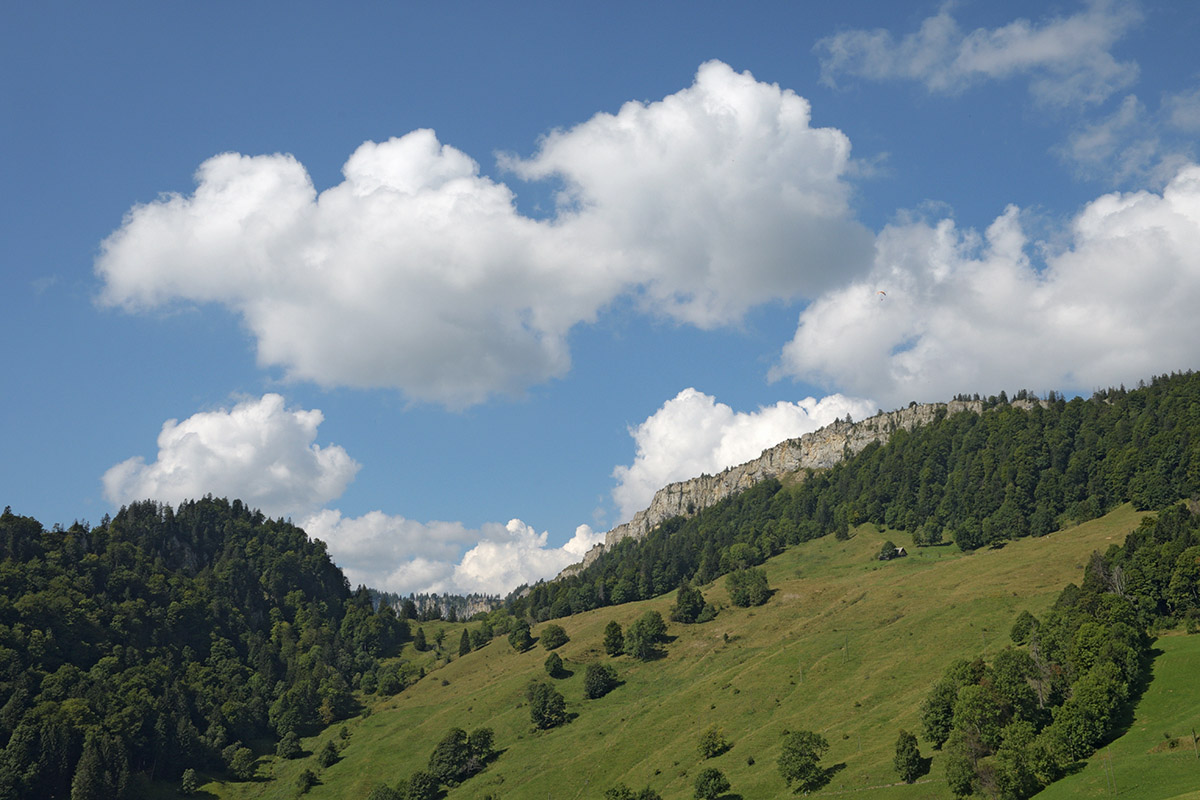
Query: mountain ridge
[(819, 449)]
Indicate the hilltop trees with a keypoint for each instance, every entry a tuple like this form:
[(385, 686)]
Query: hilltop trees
[(164, 637)]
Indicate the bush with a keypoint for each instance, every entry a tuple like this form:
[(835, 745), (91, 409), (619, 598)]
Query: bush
[(599, 680), (422, 786), (642, 636), (553, 636), (306, 780), (190, 784), (288, 746), (908, 761), (711, 784), (547, 708), (800, 759), (327, 756), (748, 587), (519, 637), (554, 665), (712, 742), (614, 639)]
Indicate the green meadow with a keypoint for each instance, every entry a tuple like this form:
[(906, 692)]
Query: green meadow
[(847, 646)]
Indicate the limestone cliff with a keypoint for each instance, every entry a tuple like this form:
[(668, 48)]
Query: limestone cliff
[(817, 450)]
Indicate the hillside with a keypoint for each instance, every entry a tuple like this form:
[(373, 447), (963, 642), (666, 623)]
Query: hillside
[(847, 646)]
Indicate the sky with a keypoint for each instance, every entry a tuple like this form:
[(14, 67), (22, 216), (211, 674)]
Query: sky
[(456, 287)]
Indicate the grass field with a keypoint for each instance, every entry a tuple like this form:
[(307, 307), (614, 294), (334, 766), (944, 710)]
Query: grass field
[(847, 646)]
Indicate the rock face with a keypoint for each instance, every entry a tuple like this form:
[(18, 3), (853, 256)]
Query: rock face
[(820, 449)]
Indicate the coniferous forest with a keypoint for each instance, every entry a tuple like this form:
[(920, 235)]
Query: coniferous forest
[(164, 640)]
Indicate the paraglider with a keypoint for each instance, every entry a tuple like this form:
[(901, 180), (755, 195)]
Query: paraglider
[(882, 294)]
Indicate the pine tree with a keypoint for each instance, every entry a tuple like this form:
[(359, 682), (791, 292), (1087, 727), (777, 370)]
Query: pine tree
[(464, 645), (614, 639)]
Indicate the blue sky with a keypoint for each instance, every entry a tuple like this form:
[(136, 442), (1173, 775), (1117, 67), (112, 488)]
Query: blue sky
[(458, 286)]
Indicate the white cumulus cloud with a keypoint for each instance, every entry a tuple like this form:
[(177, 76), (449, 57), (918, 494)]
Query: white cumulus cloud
[(258, 451), (1067, 60), (693, 434), (395, 554), (1114, 301), (417, 272)]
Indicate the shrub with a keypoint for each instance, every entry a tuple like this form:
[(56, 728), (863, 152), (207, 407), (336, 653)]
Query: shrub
[(711, 784), (553, 636), (599, 680), (712, 742)]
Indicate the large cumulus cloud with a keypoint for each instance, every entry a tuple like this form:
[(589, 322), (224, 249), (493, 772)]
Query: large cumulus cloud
[(1111, 299), (417, 272)]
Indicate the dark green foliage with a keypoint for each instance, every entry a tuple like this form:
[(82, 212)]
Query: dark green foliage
[(888, 551), (1024, 625), (553, 636), (422, 786), (623, 792), (419, 642), (241, 762), (482, 745), (689, 602), (908, 762), (384, 792), (464, 645), (519, 637), (644, 634), (712, 742), (238, 627), (189, 784), (710, 784), (554, 665), (306, 780), (449, 760), (328, 755), (800, 761), (288, 746), (614, 639), (598, 680), (748, 587), (547, 708)]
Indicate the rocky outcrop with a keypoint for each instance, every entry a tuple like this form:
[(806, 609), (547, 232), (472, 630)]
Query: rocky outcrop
[(817, 450)]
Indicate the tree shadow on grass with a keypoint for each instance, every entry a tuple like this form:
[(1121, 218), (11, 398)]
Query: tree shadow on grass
[(825, 777)]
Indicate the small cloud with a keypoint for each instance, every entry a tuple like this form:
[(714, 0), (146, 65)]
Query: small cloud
[(1066, 60)]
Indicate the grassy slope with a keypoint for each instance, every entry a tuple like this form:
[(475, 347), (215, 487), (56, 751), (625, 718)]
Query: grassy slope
[(847, 646)]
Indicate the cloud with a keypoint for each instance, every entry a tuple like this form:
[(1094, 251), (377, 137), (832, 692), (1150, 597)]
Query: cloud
[(967, 313), (258, 451), (417, 272), (1134, 145), (693, 434), (1067, 60), (399, 555)]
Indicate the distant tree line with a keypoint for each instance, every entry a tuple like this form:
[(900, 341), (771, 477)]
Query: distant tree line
[(976, 479)]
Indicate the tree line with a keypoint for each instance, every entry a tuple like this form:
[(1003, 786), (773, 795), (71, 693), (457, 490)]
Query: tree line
[(977, 479)]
